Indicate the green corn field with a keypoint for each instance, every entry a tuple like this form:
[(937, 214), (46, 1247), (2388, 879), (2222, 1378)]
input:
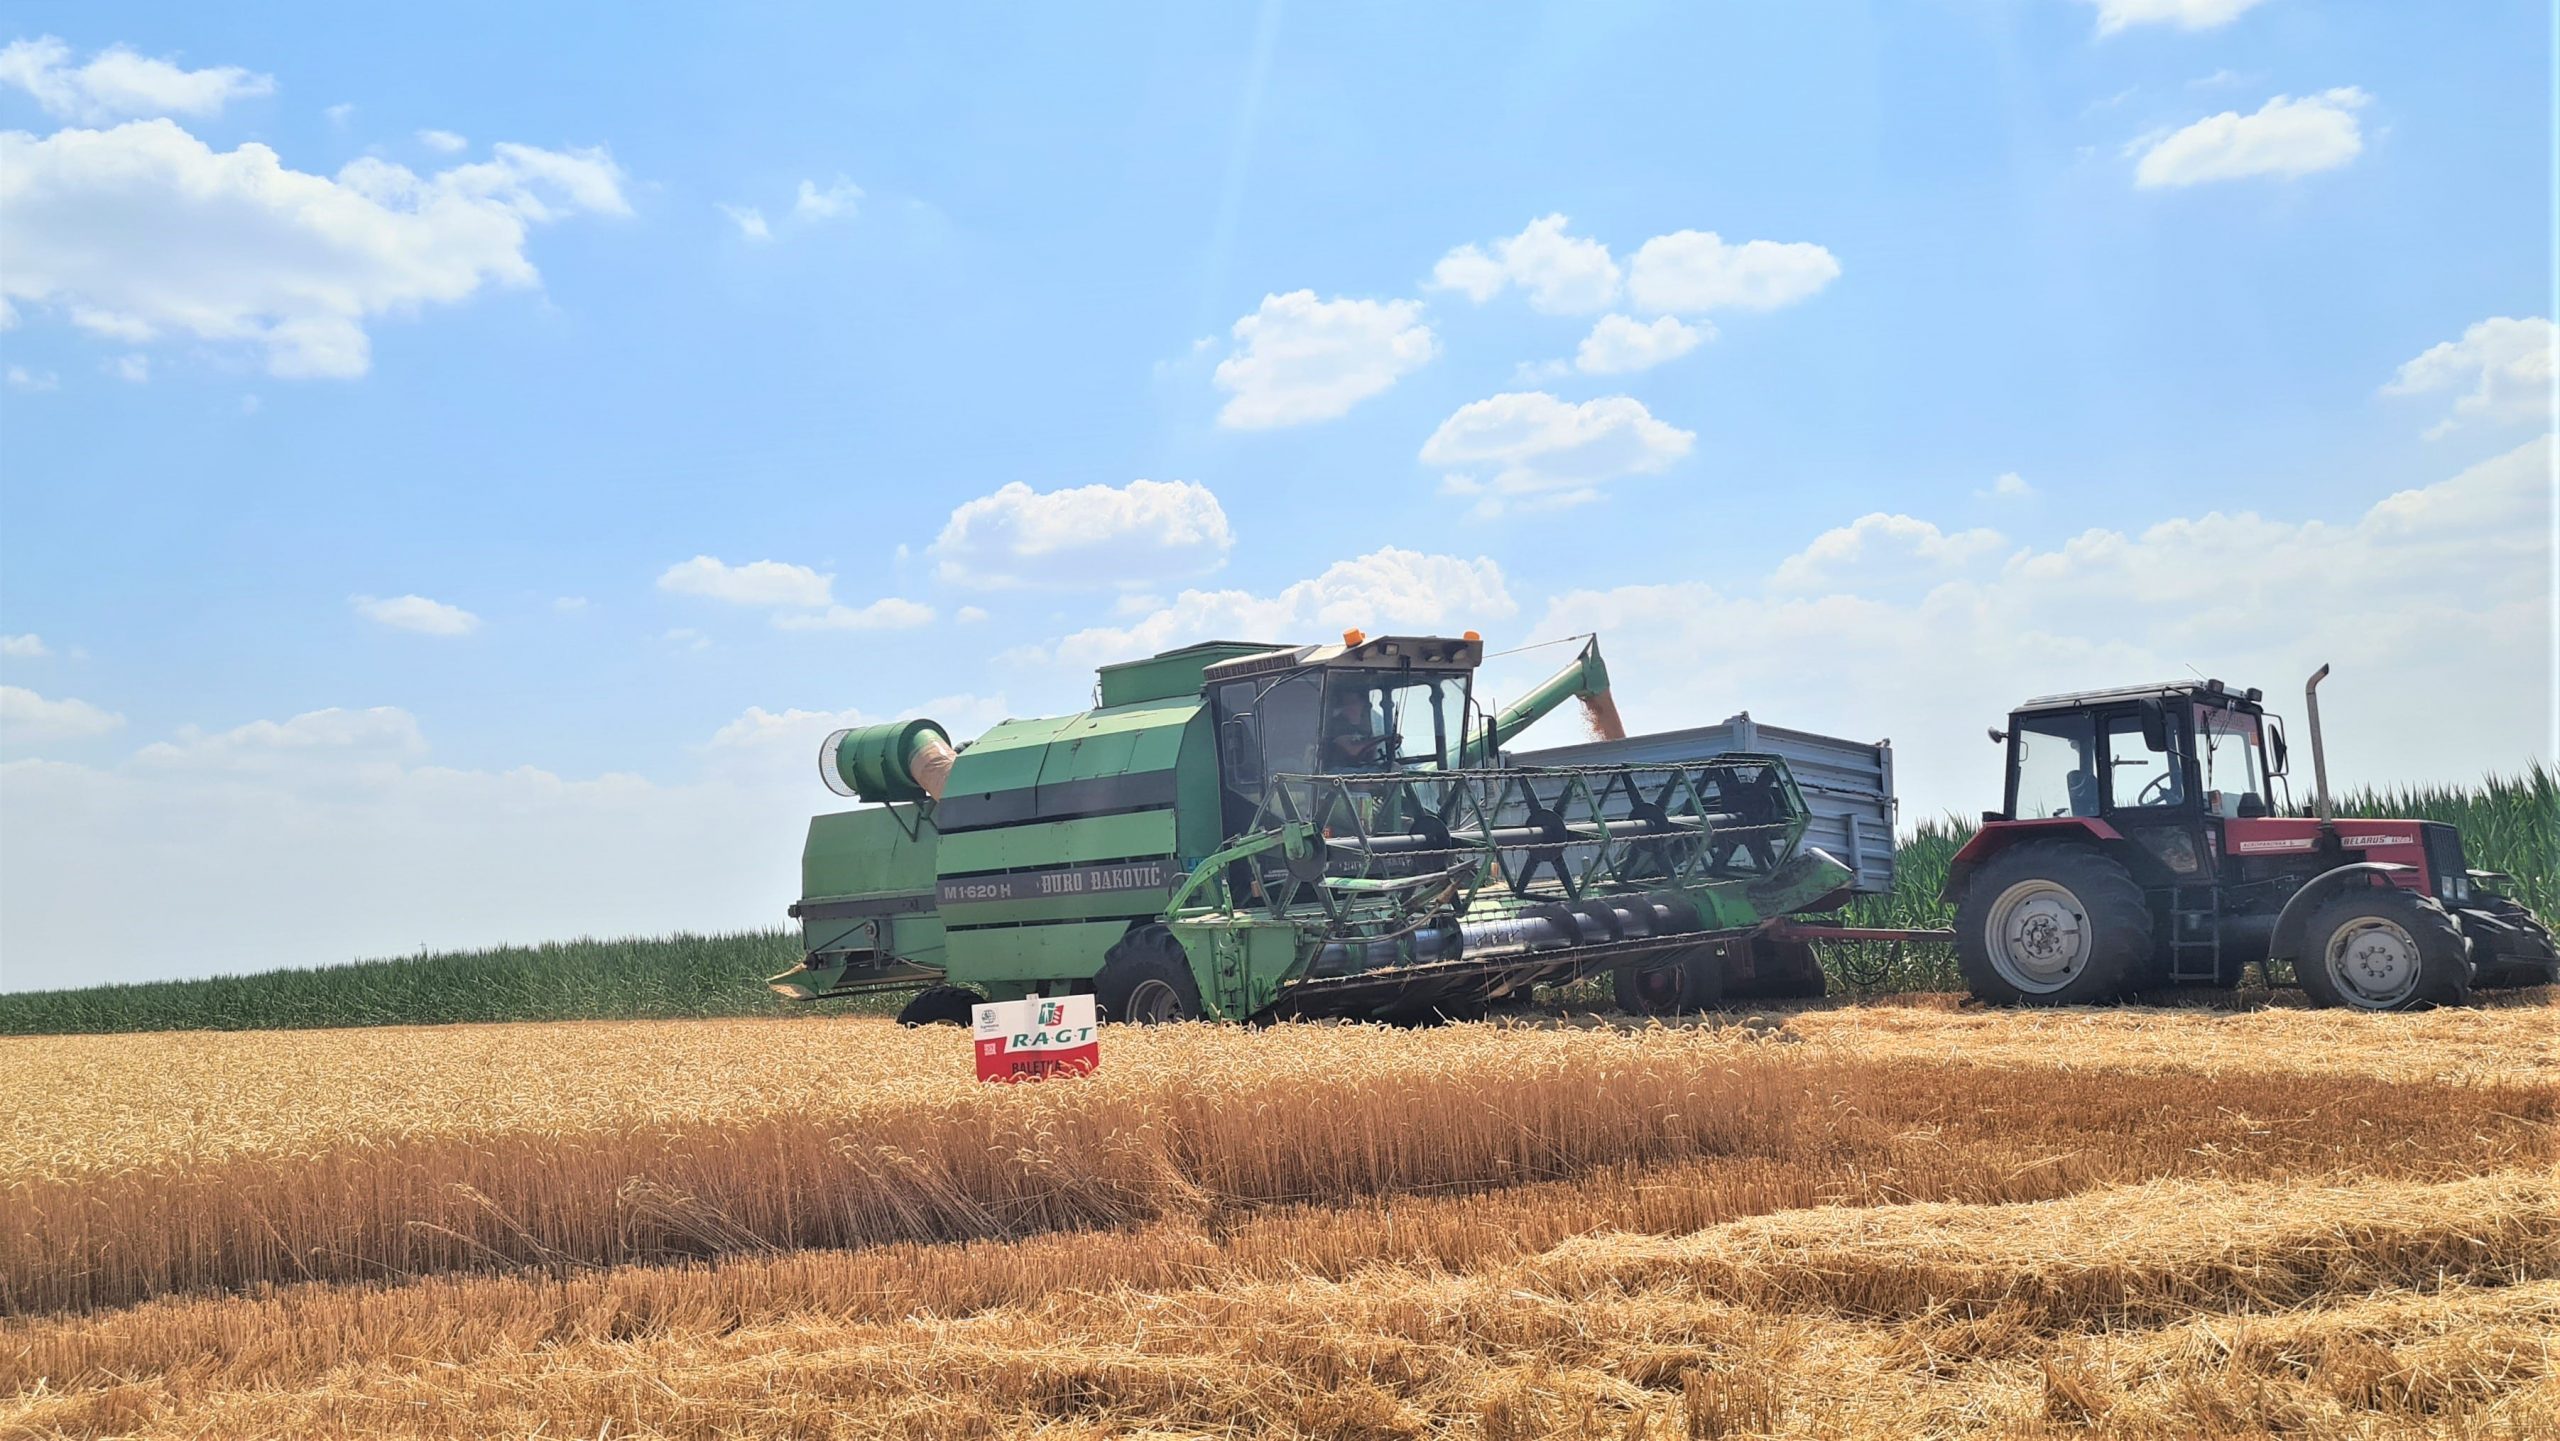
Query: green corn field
[(2509, 824)]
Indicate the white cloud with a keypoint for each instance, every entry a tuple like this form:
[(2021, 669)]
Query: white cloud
[(1690, 271), (1386, 590), (970, 614), (889, 613), (1097, 536), (443, 141), (2008, 485), (749, 220), (1564, 274), (834, 202), (117, 83), (417, 613), (1299, 359), (758, 582), (1879, 550), (132, 369), (2418, 597), (2115, 15), (1618, 344), (1537, 445), (2505, 365), (2286, 137), (21, 378), (291, 262), (340, 114), (27, 718), (24, 647)]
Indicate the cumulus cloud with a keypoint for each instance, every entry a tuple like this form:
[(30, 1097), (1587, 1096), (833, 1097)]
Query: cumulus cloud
[(2503, 368), (21, 378), (1690, 271), (443, 142), (1618, 344), (1097, 536), (417, 613), (830, 202), (749, 220), (24, 647), (292, 263), (1877, 550), (1386, 590), (2115, 15), (758, 582), (888, 613), (1551, 450), (27, 718), (1563, 274), (2008, 485), (116, 83), (2285, 138), (2416, 596), (1299, 359)]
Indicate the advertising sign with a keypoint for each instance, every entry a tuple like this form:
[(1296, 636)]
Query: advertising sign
[(1037, 1038)]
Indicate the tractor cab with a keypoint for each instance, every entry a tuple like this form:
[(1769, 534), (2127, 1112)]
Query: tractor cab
[(2175, 754)]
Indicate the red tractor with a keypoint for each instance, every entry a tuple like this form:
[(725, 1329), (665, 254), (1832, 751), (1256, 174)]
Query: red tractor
[(2141, 846)]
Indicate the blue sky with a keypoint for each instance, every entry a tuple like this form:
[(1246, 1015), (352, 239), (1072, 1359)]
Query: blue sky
[(351, 489)]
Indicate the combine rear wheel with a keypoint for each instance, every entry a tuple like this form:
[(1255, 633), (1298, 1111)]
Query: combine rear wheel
[(940, 1006), (1686, 980), (1146, 980), (2052, 924), (2384, 950)]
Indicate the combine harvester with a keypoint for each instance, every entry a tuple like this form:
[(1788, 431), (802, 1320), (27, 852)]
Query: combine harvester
[(1254, 831)]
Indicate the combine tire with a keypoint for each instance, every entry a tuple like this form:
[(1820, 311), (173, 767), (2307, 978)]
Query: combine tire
[(1146, 980), (1781, 971), (2384, 950), (940, 1006), (1686, 980), (2049, 923)]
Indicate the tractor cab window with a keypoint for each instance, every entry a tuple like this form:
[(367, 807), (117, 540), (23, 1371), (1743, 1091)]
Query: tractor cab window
[(2232, 752), (2138, 776), (2053, 767)]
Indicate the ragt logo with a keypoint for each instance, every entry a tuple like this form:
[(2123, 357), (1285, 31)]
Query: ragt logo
[(1050, 1014)]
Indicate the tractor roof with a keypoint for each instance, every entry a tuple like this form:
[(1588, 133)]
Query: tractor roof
[(2202, 690)]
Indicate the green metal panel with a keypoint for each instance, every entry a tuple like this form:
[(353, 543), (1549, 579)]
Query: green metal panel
[(1005, 758), (1172, 673), (1007, 961), (1052, 843), (868, 852)]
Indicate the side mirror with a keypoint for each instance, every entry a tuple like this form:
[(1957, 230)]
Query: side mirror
[(2155, 725), (2275, 750)]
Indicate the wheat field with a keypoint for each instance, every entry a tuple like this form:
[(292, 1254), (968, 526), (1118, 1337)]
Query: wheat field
[(1897, 1220)]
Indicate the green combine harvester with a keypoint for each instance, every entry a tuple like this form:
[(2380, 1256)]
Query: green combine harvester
[(1253, 832)]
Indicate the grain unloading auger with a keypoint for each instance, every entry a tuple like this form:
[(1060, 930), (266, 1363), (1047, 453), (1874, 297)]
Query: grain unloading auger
[(1247, 831)]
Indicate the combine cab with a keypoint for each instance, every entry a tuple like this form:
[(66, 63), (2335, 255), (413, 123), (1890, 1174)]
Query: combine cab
[(1256, 831), (2141, 845)]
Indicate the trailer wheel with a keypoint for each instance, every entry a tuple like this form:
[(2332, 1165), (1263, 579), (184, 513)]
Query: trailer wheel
[(1146, 980), (2050, 923), (1686, 980), (2384, 950), (940, 1006)]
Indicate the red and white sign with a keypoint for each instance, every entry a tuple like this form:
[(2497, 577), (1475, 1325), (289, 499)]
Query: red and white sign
[(1037, 1038)]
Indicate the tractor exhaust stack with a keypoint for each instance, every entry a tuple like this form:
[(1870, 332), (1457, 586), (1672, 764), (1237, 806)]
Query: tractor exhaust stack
[(2319, 756)]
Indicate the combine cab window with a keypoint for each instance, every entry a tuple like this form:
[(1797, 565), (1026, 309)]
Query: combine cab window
[(1378, 721), (2054, 771)]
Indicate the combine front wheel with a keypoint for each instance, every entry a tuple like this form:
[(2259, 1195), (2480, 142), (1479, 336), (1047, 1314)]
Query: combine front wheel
[(2051, 924), (2383, 950), (1685, 980), (1146, 980), (940, 1006)]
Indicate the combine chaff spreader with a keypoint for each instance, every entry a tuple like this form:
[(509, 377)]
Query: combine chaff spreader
[(1255, 831)]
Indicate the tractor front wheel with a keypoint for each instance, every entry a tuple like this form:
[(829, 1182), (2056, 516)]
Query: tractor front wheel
[(1146, 980), (941, 1006), (2384, 950), (2051, 923)]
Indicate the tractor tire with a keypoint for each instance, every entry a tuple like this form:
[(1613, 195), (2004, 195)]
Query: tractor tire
[(2052, 923), (940, 1006), (2384, 950), (1685, 980), (1146, 980), (1781, 971)]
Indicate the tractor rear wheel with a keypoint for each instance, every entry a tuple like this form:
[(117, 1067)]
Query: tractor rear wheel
[(2384, 950), (1146, 980), (940, 1006), (1686, 980), (2051, 923)]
